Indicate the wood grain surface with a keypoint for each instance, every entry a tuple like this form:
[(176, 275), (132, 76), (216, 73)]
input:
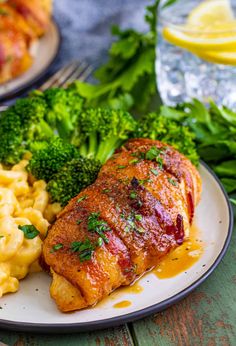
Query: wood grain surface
[(207, 317)]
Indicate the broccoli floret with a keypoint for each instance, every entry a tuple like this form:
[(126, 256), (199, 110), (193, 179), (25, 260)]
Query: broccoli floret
[(49, 160), (155, 126), (11, 135), (72, 178), (32, 112), (63, 109), (101, 131), (21, 125)]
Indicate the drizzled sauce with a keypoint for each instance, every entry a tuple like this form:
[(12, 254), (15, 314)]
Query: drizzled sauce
[(182, 258), (135, 288), (122, 304), (176, 262)]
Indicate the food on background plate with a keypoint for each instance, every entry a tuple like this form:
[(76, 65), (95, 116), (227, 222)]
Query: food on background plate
[(25, 213), (22, 22), (140, 207)]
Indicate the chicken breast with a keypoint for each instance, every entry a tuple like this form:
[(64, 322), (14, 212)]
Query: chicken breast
[(140, 207)]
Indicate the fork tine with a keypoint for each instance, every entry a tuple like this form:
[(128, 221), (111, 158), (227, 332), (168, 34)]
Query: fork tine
[(49, 82), (62, 73), (62, 80), (79, 74)]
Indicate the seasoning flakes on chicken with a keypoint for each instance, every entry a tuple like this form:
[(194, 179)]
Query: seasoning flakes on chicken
[(140, 207)]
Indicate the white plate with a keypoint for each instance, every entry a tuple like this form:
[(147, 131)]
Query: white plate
[(44, 53), (32, 309)]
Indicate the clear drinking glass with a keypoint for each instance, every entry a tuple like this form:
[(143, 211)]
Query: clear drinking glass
[(197, 59)]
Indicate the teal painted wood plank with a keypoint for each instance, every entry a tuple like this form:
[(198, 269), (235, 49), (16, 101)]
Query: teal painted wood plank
[(119, 336), (207, 317)]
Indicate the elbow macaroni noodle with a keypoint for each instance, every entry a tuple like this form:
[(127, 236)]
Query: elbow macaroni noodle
[(22, 202)]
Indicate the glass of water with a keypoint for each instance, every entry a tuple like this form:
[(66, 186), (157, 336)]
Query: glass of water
[(196, 52)]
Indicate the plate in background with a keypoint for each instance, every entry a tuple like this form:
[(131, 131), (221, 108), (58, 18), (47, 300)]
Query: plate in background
[(32, 309), (44, 52)]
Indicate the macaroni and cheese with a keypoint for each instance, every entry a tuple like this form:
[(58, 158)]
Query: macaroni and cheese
[(22, 202)]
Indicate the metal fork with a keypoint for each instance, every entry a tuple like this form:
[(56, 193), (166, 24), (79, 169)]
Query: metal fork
[(76, 70)]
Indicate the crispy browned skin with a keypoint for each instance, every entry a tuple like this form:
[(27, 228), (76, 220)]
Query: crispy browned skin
[(148, 206)]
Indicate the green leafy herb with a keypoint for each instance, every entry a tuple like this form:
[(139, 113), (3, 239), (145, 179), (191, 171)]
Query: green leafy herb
[(154, 171), (106, 190), (127, 80), (82, 198), (121, 166), (172, 181), (83, 248), (29, 231), (233, 201), (132, 195), (138, 217), (134, 161), (98, 225), (100, 241), (159, 160), (152, 153), (79, 222), (56, 247), (214, 130)]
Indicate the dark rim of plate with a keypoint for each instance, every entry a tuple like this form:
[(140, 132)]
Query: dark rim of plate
[(116, 321), (16, 91)]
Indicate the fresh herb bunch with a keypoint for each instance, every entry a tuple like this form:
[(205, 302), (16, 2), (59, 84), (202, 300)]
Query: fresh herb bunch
[(127, 80), (215, 135)]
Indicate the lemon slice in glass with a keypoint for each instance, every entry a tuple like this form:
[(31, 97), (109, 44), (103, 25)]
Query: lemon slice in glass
[(225, 58), (210, 26), (211, 12)]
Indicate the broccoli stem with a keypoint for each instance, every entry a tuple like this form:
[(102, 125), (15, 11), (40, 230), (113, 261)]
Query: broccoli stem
[(65, 128), (92, 145), (107, 148)]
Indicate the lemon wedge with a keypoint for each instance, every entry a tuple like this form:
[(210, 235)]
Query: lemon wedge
[(211, 26), (211, 12)]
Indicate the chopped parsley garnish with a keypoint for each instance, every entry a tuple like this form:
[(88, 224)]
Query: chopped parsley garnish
[(82, 198), (152, 153), (131, 223), (133, 195), (98, 226), (83, 248), (100, 241), (140, 230), (56, 247), (172, 181), (138, 217), (106, 190), (121, 166), (159, 160), (144, 181), (1, 236), (30, 232), (79, 222), (154, 171), (134, 161)]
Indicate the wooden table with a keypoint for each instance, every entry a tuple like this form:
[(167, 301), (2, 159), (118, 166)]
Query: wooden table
[(207, 317)]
